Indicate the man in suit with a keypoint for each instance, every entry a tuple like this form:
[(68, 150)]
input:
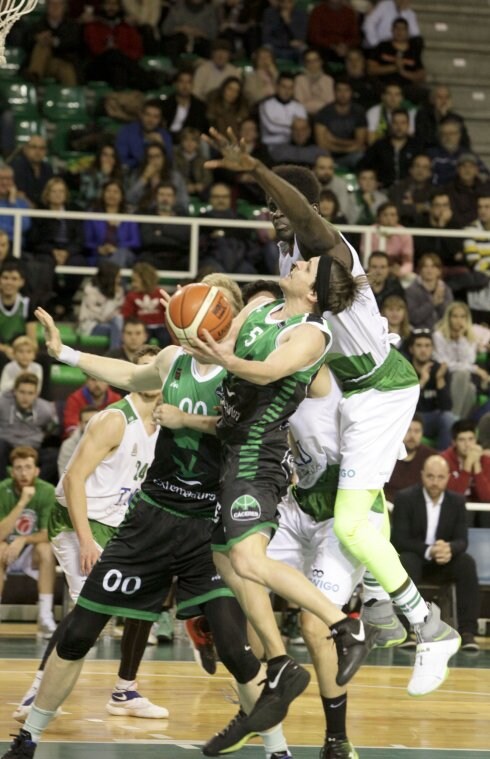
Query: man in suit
[(430, 533)]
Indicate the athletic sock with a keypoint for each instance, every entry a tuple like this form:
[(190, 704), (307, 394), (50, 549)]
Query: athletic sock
[(274, 741), (336, 714), (124, 684), (37, 722), (372, 590), (410, 602), (45, 605)]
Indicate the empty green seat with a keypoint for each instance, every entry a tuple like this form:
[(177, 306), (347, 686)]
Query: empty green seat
[(67, 334), (157, 63), (93, 341), (66, 375), (26, 128), (59, 143), (22, 98), (14, 57), (64, 103)]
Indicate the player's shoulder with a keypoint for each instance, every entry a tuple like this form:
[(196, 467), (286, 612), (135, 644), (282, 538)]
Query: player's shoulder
[(166, 357)]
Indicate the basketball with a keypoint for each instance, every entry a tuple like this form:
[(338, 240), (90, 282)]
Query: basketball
[(197, 307)]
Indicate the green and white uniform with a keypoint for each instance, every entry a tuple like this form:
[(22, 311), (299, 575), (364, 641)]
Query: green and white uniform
[(108, 491), (13, 319)]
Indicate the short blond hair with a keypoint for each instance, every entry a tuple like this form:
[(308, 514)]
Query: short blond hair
[(24, 342), (233, 292)]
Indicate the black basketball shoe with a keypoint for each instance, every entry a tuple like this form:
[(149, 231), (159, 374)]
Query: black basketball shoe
[(231, 738), (22, 747), (284, 683), (337, 749), (353, 641)]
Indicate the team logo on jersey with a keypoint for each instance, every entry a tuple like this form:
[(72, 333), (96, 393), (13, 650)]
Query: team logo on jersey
[(245, 508), (26, 523)]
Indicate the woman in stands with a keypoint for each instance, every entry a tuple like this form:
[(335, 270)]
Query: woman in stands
[(154, 169), (102, 299), (105, 167), (111, 240)]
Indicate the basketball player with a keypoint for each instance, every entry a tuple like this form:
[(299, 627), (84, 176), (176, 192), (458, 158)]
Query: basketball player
[(380, 392), (166, 533), (107, 467)]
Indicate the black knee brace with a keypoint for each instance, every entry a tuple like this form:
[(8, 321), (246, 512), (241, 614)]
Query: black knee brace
[(80, 634), (228, 625)]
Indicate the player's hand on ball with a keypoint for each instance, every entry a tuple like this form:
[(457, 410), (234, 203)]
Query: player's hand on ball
[(89, 556), (169, 416), (51, 332), (233, 150), (208, 351), (165, 296)]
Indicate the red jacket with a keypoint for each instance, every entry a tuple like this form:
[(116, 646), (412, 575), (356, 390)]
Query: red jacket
[(101, 36), (77, 401), (475, 486), (146, 306), (331, 26)]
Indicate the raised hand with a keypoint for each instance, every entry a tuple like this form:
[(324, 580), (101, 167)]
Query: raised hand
[(51, 332), (233, 150)]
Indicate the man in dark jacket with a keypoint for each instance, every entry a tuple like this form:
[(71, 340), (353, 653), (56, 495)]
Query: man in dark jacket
[(183, 109), (392, 156), (55, 46)]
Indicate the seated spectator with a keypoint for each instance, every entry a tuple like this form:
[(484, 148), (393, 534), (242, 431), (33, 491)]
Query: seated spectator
[(25, 505), (112, 241), (154, 169), (428, 296), (56, 240), (261, 82), (364, 92), (132, 139), (333, 28), (32, 170), (399, 61), (365, 201), (466, 189), (100, 309), (392, 155), (412, 195), (378, 23), (383, 284), (449, 249), (431, 535), (142, 302), (324, 170), (189, 162), (430, 115), (227, 105), (398, 247), (211, 73), (330, 208), (469, 467), (239, 22), (5, 252), (340, 128), (379, 116), (55, 46), (477, 254), (190, 27), (182, 109), (134, 334), (244, 184), (93, 393), (313, 88), (10, 198), (407, 471), (301, 150), (105, 167), (16, 313), (434, 404), (145, 16), (165, 245), (395, 310), (24, 352), (68, 446), (455, 345), (450, 147), (26, 419), (284, 30), (277, 113)]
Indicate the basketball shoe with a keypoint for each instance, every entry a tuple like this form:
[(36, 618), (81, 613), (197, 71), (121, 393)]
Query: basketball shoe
[(231, 738), (22, 747), (129, 703), (436, 643), (353, 642), (201, 638), (381, 616), (335, 749)]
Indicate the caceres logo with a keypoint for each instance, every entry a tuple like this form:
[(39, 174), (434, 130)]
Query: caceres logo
[(245, 508)]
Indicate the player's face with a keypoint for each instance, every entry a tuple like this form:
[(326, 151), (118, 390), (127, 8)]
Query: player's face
[(281, 224), (301, 280), (24, 472)]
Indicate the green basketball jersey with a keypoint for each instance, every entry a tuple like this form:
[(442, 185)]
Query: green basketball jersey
[(13, 319), (184, 475)]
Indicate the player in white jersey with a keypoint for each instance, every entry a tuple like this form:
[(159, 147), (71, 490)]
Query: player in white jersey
[(106, 469), (380, 392)]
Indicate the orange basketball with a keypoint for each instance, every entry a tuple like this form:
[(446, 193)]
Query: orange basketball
[(196, 307)]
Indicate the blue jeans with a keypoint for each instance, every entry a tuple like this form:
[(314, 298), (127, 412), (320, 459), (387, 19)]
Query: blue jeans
[(111, 329), (438, 424)]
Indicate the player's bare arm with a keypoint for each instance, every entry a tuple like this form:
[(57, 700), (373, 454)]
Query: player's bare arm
[(174, 418), (103, 435)]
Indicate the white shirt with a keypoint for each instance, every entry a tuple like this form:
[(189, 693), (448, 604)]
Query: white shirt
[(433, 514), (377, 24)]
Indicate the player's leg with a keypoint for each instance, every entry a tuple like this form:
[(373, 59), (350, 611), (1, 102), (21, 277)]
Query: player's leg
[(43, 559)]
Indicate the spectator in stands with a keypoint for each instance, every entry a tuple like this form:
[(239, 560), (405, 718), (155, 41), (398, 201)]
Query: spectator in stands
[(26, 419), (450, 249), (340, 128), (365, 201), (301, 150), (284, 30), (24, 351), (100, 308), (392, 155), (379, 116), (134, 334), (399, 60), (364, 92), (165, 245), (11, 198), (430, 115), (333, 28), (227, 106), (407, 471), (465, 190), (261, 82), (378, 23), (428, 296), (31, 169), (112, 241), (412, 195), (245, 184), (105, 167), (448, 150), (431, 535), (276, 114), (189, 162), (313, 88), (142, 305), (16, 317), (398, 247), (394, 308), (56, 240), (54, 46), (145, 15), (324, 170), (434, 404), (182, 109), (330, 208), (5, 252), (477, 253), (94, 393), (154, 169), (455, 345), (190, 27), (25, 505), (469, 467), (382, 282), (211, 73), (133, 138), (68, 446), (239, 22)]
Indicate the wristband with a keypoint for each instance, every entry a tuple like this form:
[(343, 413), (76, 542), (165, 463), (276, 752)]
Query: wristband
[(69, 356)]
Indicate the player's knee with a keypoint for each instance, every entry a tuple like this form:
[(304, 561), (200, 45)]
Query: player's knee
[(313, 629), (344, 528), (242, 663), (246, 565), (76, 641), (44, 553)]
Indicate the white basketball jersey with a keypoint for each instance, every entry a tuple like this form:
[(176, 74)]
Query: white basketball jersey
[(121, 474)]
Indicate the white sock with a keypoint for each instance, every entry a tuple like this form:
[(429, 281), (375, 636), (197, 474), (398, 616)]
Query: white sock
[(37, 722), (372, 590), (46, 605), (274, 741), (125, 684), (411, 604)]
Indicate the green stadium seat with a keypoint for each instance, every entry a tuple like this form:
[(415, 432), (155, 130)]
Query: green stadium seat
[(250, 211), (95, 342), (157, 63), (288, 67), (66, 375), (10, 69), (59, 143), (67, 334), (64, 103), (25, 128), (22, 99)]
